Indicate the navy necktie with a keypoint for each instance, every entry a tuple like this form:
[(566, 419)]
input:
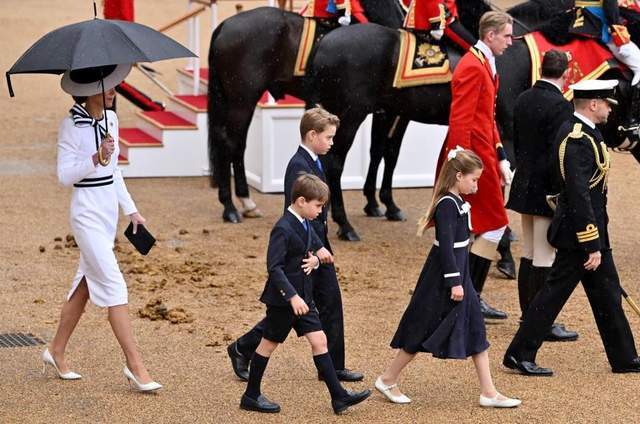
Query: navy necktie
[(305, 225), (319, 164)]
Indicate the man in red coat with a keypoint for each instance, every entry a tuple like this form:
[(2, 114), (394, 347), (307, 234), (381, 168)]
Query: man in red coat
[(472, 125), (439, 17)]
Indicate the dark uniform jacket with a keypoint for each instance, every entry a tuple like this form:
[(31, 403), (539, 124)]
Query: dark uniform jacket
[(582, 162), (289, 243), (586, 24), (538, 114), (302, 163)]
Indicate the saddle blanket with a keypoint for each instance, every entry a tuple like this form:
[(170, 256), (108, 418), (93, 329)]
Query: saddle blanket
[(420, 62), (588, 59), (304, 47)]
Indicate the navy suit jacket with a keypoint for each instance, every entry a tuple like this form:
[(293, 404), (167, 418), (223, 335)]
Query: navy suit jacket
[(289, 243), (302, 163)]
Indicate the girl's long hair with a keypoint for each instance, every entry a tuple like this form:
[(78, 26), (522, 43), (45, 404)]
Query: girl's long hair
[(466, 162)]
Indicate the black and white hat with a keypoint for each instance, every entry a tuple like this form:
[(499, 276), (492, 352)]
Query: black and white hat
[(596, 89), (86, 82)]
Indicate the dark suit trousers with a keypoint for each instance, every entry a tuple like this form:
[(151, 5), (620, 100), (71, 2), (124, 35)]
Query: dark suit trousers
[(326, 294), (602, 287)]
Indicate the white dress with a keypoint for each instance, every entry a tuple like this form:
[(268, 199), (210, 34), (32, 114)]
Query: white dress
[(97, 192)]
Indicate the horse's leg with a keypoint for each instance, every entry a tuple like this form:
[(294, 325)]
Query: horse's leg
[(249, 207), (391, 153), (376, 152), (335, 165)]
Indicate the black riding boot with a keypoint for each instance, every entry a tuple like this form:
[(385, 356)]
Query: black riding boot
[(506, 265), (557, 333), (479, 269), (524, 285)]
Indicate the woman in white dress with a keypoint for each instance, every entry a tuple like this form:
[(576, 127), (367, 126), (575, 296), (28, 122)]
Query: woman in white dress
[(88, 161)]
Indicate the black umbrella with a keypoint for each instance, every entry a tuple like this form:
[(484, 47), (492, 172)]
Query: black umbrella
[(93, 43)]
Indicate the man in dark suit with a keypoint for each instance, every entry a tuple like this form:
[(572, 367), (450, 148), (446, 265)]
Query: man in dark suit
[(538, 114), (317, 129), (579, 233), (288, 295)]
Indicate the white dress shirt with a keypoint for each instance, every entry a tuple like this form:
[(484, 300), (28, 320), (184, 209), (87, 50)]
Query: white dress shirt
[(486, 51)]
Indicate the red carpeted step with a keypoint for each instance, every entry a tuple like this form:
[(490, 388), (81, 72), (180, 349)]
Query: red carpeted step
[(134, 137), (288, 101), (204, 73), (195, 103), (167, 120), (123, 160)]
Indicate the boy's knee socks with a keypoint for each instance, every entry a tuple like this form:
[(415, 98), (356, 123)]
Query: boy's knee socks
[(256, 370), (327, 371)]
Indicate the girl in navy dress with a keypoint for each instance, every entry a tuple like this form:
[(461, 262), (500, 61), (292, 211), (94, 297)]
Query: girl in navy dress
[(443, 316)]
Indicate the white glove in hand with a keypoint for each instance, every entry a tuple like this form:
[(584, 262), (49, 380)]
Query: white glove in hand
[(505, 170), (437, 33)]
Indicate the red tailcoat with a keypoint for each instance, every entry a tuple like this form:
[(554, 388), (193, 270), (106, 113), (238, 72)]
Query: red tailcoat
[(472, 126), (426, 15), (119, 9), (318, 9)]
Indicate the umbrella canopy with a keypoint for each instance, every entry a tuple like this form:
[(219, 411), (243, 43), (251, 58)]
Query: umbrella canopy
[(96, 42)]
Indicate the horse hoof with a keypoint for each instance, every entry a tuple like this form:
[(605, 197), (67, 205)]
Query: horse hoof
[(348, 235), (252, 213), (231, 216), (396, 215), (373, 211)]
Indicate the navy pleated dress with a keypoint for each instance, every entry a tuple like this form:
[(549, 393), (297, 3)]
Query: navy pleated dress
[(433, 322)]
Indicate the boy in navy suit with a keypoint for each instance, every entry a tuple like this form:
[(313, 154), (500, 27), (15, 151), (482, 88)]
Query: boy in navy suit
[(317, 129), (288, 294)]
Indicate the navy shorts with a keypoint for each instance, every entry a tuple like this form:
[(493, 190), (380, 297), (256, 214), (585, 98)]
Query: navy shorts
[(281, 319)]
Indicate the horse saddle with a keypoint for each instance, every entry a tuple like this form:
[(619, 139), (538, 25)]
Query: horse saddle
[(422, 60)]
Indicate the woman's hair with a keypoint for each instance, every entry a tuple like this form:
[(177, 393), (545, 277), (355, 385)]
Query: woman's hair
[(466, 162), (317, 119), (79, 99)]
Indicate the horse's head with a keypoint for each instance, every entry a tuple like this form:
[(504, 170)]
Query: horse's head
[(621, 132), (387, 13)]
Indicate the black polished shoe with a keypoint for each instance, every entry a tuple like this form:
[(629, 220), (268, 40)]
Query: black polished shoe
[(507, 267), (239, 362), (491, 313), (526, 367), (262, 404), (353, 398), (634, 366), (346, 375), (560, 334)]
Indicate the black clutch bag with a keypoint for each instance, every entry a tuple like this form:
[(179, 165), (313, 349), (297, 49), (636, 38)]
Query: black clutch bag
[(142, 240)]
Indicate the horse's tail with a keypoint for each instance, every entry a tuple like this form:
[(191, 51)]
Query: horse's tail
[(216, 110)]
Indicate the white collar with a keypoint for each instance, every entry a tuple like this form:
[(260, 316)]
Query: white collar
[(584, 119), (311, 153), (290, 209), (486, 51), (552, 83)]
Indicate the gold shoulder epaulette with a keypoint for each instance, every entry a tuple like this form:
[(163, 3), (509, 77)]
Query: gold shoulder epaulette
[(577, 131)]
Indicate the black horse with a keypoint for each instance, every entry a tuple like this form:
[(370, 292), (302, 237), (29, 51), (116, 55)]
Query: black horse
[(250, 53), (369, 56)]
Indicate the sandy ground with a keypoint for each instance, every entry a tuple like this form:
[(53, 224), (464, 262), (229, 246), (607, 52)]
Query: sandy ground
[(215, 272)]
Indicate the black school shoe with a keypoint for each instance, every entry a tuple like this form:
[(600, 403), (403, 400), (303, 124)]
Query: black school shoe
[(346, 375), (352, 398), (262, 404), (525, 367), (239, 362), (634, 366)]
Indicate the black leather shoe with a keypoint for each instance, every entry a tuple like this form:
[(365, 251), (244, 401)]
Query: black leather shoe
[(491, 313), (340, 405), (507, 267), (526, 367), (239, 362), (346, 375), (634, 366), (560, 334), (262, 404)]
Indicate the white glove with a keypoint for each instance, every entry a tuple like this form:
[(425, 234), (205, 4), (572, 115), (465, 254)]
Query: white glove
[(437, 33), (505, 171), (344, 20)]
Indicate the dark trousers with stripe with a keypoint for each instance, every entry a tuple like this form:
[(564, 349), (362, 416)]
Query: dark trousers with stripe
[(326, 294), (602, 287)]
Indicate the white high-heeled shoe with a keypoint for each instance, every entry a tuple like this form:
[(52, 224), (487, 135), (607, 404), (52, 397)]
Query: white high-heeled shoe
[(386, 390), (47, 359), (134, 383), (494, 402)]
